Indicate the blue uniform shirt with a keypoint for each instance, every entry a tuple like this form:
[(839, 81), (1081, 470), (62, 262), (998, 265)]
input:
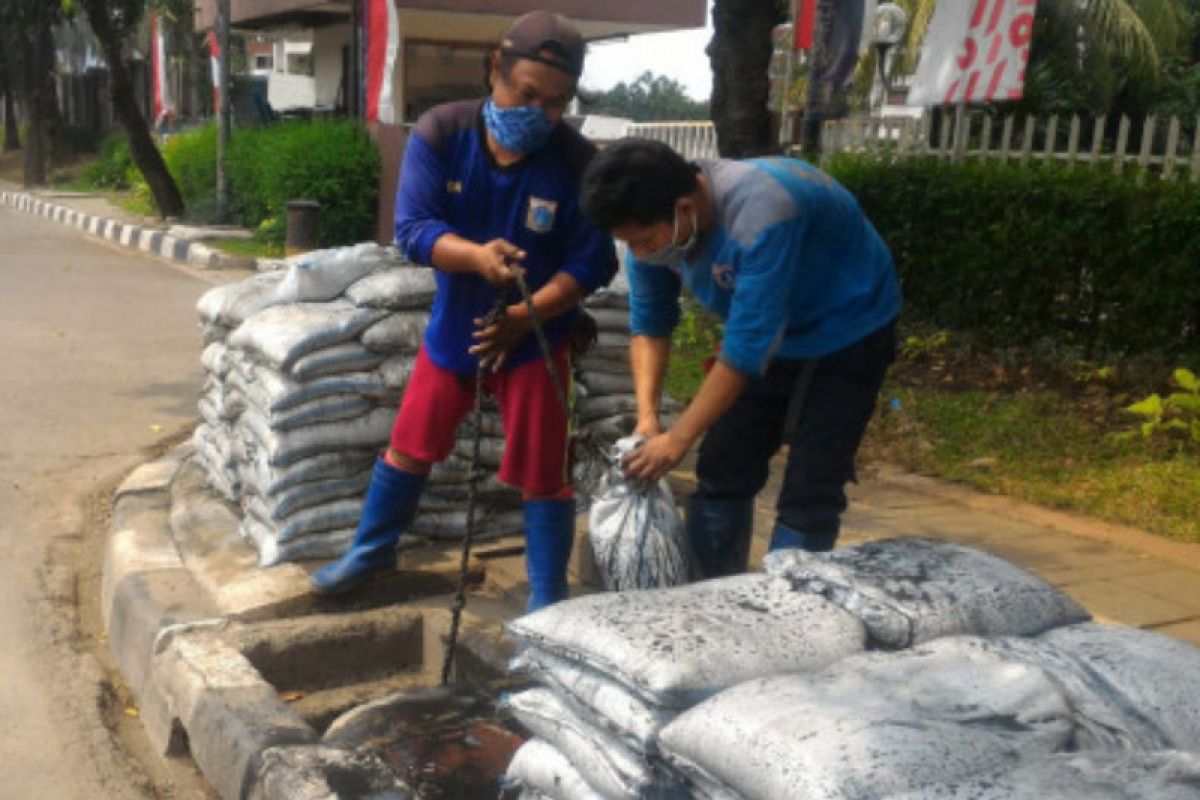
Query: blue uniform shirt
[(450, 184), (793, 267)]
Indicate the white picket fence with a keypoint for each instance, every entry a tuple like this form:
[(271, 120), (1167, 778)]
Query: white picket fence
[(691, 140), (1161, 146)]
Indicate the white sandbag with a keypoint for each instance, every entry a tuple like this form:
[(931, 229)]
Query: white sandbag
[(613, 706), (675, 647), (324, 545), (231, 304), (268, 480), (324, 274), (325, 409), (336, 360), (635, 530), (1165, 775), (594, 408), (285, 504), (401, 332), (287, 447), (274, 392), (400, 288), (873, 725), (1132, 689), (608, 765), (490, 424), (589, 366), (395, 372), (282, 334), (491, 450), (214, 334), (908, 591), (331, 516), (542, 771), (602, 383), (215, 359)]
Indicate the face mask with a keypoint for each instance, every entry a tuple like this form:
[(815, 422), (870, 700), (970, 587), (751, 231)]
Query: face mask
[(520, 129), (671, 254)]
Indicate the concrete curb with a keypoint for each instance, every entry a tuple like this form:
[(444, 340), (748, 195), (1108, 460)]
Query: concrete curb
[(135, 237)]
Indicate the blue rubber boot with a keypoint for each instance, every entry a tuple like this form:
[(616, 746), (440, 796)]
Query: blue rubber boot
[(391, 504), (783, 538), (549, 535), (719, 531)]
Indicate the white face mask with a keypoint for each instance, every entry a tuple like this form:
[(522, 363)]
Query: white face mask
[(671, 254)]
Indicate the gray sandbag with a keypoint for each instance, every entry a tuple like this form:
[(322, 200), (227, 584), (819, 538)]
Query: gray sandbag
[(395, 372), (451, 525), (541, 771), (609, 766), (615, 295), (282, 448), (336, 360), (593, 408), (491, 450), (330, 516), (282, 334), (589, 366), (274, 392), (401, 332), (1163, 775), (676, 647), (610, 319), (267, 480), (215, 359), (603, 383), (400, 288), (908, 591), (285, 504), (608, 702), (875, 724), (489, 486), (636, 533), (324, 274), (231, 304), (323, 409)]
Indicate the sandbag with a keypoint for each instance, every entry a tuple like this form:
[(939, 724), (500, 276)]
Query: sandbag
[(610, 319), (676, 647), (636, 533), (287, 447), (612, 366), (285, 504), (602, 383), (215, 359), (610, 703), (877, 723), (324, 409), (593, 408), (908, 591), (330, 516), (491, 450), (282, 334), (336, 360), (274, 392), (541, 771), (395, 372), (450, 525), (400, 288), (267, 480), (608, 766), (1166, 775), (231, 304), (401, 332), (324, 274)]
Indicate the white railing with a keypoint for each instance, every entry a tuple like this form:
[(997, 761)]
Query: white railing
[(691, 140), (1158, 144)]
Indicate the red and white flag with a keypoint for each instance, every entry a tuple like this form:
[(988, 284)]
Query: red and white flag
[(162, 83), (975, 51), (383, 48), (214, 50)]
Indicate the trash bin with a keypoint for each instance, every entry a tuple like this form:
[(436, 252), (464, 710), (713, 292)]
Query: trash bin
[(303, 223)]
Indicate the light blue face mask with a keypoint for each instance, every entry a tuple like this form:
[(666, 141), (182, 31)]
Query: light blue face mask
[(520, 129), (672, 254)]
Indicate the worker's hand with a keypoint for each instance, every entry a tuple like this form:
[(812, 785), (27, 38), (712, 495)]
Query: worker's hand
[(492, 261), (495, 338), (654, 459), (648, 428)]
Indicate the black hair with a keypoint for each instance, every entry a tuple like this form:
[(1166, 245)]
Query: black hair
[(507, 60), (636, 181)]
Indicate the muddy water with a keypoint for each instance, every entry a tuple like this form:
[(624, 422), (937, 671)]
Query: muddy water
[(445, 742)]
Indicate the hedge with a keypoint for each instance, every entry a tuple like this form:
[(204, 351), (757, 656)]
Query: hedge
[(332, 162), (1020, 253)]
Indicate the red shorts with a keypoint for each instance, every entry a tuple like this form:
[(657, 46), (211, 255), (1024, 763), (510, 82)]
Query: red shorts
[(535, 424)]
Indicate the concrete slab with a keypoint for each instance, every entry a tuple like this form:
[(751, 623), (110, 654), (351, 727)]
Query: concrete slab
[(1128, 605), (1187, 631)]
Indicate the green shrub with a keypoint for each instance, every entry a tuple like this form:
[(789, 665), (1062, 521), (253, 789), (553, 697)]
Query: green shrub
[(114, 167), (1026, 253), (191, 157)]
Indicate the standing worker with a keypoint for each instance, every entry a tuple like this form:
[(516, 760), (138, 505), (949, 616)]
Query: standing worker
[(487, 185), (809, 296)]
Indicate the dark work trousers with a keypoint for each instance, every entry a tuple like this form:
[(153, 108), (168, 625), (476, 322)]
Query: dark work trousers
[(830, 408)]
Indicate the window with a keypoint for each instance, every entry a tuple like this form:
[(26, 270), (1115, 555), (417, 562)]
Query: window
[(264, 62)]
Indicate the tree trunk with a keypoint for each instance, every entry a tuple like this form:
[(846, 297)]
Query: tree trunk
[(12, 131), (740, 52), (145, 152), (37, 95)]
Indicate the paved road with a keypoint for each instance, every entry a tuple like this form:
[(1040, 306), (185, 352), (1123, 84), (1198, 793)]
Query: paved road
[(99, 361)]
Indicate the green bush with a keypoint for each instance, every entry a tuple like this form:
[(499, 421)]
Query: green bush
[(332, 162), (113, 169), (1021, 254)]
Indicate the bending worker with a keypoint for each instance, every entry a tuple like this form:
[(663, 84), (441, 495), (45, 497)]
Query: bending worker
[(485, 185), (809, 297)]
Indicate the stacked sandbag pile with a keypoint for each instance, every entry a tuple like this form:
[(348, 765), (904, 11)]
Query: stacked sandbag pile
[(304, 368), (620, 670)]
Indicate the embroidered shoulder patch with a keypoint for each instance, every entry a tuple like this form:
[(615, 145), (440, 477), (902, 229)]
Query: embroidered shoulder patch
[(540, 218)]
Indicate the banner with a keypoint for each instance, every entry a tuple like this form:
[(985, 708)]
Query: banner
[(383, 48), (163, 105), (806, 23), (975, 51), (214, 50)]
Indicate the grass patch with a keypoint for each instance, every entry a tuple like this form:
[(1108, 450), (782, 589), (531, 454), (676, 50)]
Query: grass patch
[(246, 247)]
